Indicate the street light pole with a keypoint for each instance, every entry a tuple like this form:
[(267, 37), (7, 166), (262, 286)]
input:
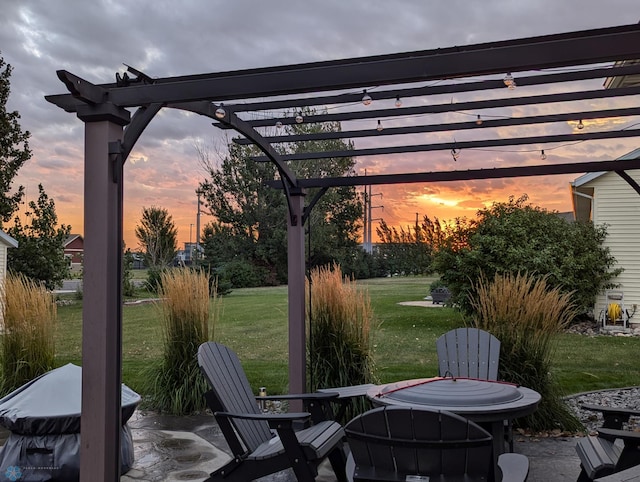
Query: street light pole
[(190, 245)]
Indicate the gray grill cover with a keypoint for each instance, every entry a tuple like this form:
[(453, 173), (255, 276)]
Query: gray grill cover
[(44, 419)]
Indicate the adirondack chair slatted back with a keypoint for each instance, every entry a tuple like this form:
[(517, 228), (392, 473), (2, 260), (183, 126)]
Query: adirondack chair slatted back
[(468, 352), (407, 441), (230, 386)]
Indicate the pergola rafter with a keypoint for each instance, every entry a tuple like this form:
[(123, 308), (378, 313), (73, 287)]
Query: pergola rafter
[(243, 100), (457, 126), (431, 90)]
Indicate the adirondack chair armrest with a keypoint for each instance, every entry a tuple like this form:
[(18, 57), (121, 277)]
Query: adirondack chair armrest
[(301, 396), (613, 417), (630, 438), (514, 467), (628, 475), (316, 403), (271, 418)]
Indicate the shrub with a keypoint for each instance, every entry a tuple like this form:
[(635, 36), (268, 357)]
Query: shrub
[(525, 315), (27, 345), (176, 385), (241, 273), (154, 278), (436, 284), (515, 237), (217, 286), (128, 288), (340, 339)]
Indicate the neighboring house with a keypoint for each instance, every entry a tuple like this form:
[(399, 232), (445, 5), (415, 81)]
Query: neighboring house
[(6, 242), (74, 251), (607, 199)]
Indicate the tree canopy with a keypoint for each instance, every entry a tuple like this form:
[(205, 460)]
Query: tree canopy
[(14, 148), (158, 237), (40, 251), (516, 237), (411, 250), (249, 235)]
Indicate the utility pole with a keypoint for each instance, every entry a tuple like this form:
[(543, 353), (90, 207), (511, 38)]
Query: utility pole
[(190, 245), (367, 235), (199, 193)]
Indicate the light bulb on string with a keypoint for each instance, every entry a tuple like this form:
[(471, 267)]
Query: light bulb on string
[(543, 156), (580, 125), (221, 112), (366, 98), (508, 80), (299, 118), (398, 101), (379, 128), (479, 120)]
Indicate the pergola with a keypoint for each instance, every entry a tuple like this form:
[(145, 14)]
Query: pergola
[(396, 86)]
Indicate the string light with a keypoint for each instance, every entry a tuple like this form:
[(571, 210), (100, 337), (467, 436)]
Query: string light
[(379, 128), (455, 153), (479, 120), (509, 81), (580, 125), (398, 101), (543, 156), (299, 118), (366, 98), (221, 112)]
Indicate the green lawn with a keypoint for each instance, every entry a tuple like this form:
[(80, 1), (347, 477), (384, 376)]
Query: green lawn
[(254, 323)]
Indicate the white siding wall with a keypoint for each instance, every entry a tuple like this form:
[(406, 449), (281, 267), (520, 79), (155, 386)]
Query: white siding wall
[(3, 260), (617, 205)]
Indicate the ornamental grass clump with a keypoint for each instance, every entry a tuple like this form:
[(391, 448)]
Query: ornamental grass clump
[(176, 385), (340, 338), (27, 347), (525, 314)]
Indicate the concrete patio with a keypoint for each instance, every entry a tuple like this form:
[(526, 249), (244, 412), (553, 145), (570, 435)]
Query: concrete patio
[(188, 448)]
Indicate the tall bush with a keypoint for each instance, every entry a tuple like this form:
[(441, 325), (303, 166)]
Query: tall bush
[(515, 237), (176, 385), (525, 314), (27, 348), (340, 339)]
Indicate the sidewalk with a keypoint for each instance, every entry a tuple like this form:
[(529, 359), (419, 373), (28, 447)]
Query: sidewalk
[(176, 449)]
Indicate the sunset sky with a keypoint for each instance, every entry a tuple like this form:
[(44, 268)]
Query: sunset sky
[(93, 39)]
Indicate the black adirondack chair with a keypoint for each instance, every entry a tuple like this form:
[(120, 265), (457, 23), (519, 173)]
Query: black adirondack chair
[(629, 475), (601, 456), (471, 353), (468, 352), (265, 443), (408, 444)]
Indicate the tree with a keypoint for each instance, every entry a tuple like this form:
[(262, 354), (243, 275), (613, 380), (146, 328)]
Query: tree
[(40, 251), (14, 148), (409, 251), (515, 237), (157, 236), (250, 226)]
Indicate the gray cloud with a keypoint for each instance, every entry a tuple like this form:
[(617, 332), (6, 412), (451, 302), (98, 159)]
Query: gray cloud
[(167, 38)]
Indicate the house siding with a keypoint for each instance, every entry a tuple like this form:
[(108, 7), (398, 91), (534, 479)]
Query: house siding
[(617, 205), (3, 261), (74, 252)]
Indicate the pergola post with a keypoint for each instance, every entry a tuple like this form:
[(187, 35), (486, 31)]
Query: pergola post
[(296, 291), (102, 305)]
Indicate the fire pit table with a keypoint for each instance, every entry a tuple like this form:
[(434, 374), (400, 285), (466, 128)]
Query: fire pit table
[(489, 403)]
